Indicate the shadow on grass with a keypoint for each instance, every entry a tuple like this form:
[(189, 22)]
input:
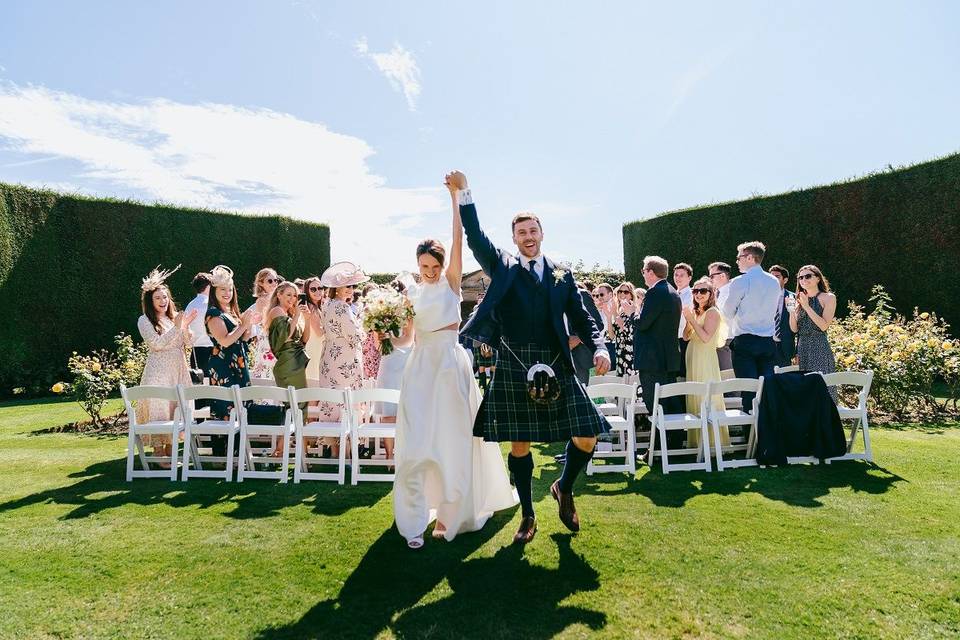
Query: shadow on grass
[(500, 596), (927, 428), (253, 498), (797, 485)]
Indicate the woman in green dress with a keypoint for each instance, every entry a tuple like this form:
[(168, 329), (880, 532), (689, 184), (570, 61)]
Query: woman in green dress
[(288, 326)]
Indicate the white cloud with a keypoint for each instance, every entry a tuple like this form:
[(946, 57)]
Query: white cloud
[(400, 68), (223, 156)]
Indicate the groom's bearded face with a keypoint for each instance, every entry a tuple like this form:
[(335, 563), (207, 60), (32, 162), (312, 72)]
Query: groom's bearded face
[(528, 235)]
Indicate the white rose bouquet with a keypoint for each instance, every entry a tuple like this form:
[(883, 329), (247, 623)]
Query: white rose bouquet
[(386, 311)]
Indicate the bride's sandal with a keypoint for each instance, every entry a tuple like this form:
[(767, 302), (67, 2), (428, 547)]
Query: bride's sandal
[(415, 543), (438, 531)]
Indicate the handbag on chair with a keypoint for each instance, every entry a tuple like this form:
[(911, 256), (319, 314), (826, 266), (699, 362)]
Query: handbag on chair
[(196, 373)]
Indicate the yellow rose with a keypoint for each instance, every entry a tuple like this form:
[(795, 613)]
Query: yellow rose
[(857, 339), (850, 359), (924, 315), (895, 355), (57, 388), (947, 345), (932, 342), (95, 367), (871, 344)]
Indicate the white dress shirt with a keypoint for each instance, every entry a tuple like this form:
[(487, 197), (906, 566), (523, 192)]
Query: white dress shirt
[(753, 301), (198, 327), (686, 298)]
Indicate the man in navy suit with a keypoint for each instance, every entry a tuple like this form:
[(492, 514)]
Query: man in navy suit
[(785, 339), (526, 313), (656, 348)]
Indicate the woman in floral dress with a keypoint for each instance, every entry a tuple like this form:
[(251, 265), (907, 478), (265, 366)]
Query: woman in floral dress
[(623, 329), (167, 334), (230, 331), (341, 365), (262, 359)]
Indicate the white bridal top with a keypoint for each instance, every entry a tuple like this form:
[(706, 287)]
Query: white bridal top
[(436, 306)]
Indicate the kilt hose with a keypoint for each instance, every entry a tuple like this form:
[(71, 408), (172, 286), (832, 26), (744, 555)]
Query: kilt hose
[(508, 414)]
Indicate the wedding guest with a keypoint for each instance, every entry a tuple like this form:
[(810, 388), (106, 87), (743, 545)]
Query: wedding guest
[(810, 318), (656, 353), (640, 294), (785, 338), (229, 331), (201, 347), (719, 275), (583, 355), (753, 301), (314, 295), (391, 370), (341, 365), (604, 299), (623, 328), (167, 334), (371, 344), (288, 329), (261, 358), (682, 275), (705, 329)]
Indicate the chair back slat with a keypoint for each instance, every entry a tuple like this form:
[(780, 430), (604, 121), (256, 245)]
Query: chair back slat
[(793, 368), (391, 396), (206, 392), (148, 392), (612, 390), (607, 379), (674, 389), (320, 394), (277, 394), (750, 385)]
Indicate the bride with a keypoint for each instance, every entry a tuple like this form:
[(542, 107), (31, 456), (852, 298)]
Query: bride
[(443, 471)]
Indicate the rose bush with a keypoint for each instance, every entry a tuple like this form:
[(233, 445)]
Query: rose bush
[(99, 374), (908, 356)]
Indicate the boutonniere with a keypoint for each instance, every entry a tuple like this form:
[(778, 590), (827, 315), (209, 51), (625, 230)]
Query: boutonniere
[(559, 274)]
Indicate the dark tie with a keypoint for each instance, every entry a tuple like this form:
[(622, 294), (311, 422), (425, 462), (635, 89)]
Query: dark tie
[(533, 271)]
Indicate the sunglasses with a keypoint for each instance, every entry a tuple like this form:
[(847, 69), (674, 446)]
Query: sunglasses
[(705, 292), (272, 280), (805, 276), (315, 289), (597, 296), (624, 293)]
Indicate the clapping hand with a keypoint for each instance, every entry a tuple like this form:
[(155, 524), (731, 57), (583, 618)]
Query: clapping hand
[(185, 318), (803, 300), (250, 317), (688, 314), (627, 307)]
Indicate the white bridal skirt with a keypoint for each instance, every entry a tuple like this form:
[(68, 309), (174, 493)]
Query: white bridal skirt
[(442, 470)]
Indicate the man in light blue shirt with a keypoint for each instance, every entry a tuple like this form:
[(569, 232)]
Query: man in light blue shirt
[(753, 301)]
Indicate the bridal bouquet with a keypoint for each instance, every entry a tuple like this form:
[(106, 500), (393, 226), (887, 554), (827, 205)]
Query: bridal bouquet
[(386, 311)]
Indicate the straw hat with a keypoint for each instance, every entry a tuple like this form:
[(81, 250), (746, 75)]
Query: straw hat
[(342, 274)]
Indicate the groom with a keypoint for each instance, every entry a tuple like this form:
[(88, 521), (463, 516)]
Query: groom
[(525, 314)]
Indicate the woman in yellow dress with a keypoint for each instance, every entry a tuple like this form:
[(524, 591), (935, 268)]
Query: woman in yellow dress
[(706, 331)]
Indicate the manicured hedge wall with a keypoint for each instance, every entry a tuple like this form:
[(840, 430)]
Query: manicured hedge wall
[(900, 229), (71, 267)]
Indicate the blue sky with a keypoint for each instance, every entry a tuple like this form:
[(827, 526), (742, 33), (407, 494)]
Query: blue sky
[(590, 114)]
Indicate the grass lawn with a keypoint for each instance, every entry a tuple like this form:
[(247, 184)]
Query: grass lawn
[(849, 550)]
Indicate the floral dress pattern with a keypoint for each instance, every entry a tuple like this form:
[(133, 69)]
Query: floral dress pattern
[(371, 357), (262, 359), (227, 365), (624, 341), (166, 366), (341, 365)]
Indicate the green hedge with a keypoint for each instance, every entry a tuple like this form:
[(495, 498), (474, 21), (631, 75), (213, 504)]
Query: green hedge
[(71, 267), (900, 229)]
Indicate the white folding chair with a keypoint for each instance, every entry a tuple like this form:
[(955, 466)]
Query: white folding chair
[(607, 407), (248, 456), (733, 402), (194, 429), (793, 368), (735, 418), (372, 430), (663, 422), (858, 414), (621, 425), (135, 434), (641, 434), (310, 428)]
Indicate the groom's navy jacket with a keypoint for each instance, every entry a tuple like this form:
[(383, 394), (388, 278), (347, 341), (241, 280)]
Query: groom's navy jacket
[(484, 325)]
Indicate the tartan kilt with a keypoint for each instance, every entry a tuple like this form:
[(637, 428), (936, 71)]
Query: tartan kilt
[(507, 414)]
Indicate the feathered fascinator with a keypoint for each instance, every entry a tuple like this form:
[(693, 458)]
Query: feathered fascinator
[(156, 278), (221, 276)]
